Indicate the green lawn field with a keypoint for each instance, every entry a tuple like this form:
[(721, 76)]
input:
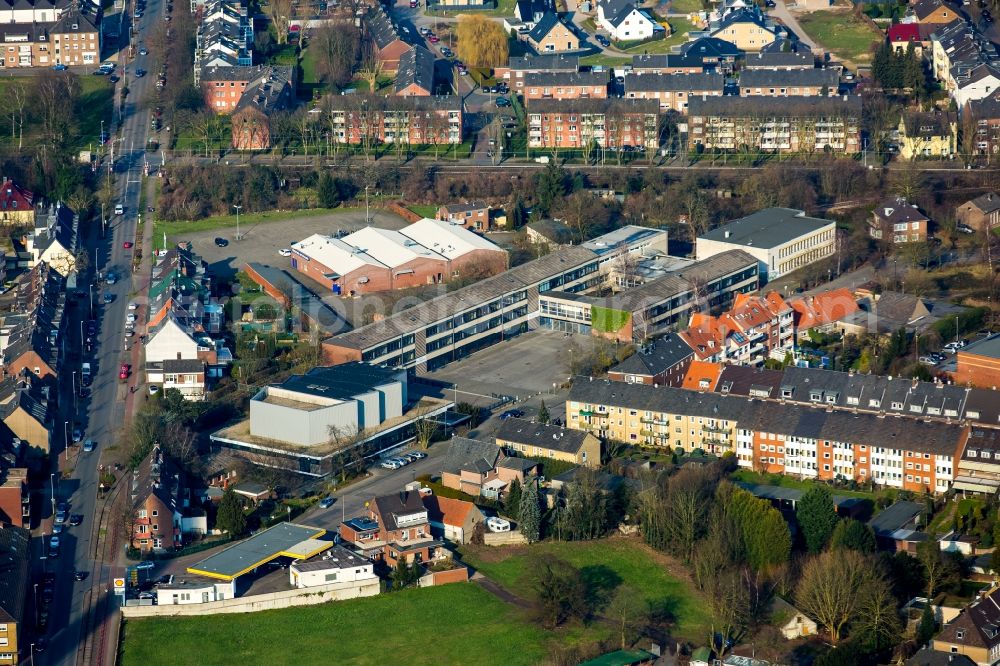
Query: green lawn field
[(93, 106), (451, 624), (843, 34), (618, 561)]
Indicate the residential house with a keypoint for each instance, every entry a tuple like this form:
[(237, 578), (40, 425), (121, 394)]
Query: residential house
[(590, 123), (821, 311), (339, 566), (971, 83), (15, 584), (54, 239), (958, 48), (791, 622), (985, 113), (749, 28), (15, 501), (934, 12), (754, 329), (17, 205), (530, 12), (385, 37), (565, 86), (897, 527), (974, 633), (549, 232), (899, 221), (368, 120), (469, 465), (551, 35), (225, 87), (454, 519), (775, 125), (625, 22), (184, 375), (270, 93), (902, 35), (979, 465), (886, 313), (549, 441), (469, 214), (157, 497), (404, 528), (980, 213), (713, 53), (13, 11), (702, 376), (662, 362), (927, 135), (928, 656), (782, 54), (672, 91), (33, 333), (788, 82), (28, 414), (782, 239), (520, 66), (416, 73), (667, 63)]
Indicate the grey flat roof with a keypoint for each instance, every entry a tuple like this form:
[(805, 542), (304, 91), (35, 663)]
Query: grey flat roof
[(243, 556), (986, 347), (767, 228), (611, 241), (894, 517), (342, 381)]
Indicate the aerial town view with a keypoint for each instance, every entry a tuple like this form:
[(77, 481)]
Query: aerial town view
[(500, 332)]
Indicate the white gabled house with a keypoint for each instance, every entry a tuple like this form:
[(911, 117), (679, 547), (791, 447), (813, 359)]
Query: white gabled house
[(625, 22)]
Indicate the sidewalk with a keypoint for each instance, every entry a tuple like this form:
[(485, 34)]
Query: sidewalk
[(140, 284)]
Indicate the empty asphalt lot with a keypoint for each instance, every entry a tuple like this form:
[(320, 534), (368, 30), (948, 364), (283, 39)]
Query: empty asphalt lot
[(261, 242)]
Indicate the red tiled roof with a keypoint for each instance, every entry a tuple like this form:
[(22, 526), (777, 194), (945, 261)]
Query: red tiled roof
[(448, 511), (702, 370), (824, 308), (904, 32), (15, 197)]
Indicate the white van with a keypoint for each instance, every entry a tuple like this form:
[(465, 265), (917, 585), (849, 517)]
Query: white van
[(119, 209)]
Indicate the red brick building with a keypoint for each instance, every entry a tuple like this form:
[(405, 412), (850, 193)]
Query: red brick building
[(565, 85), (604, 123), (471, 214), (404, 527), (372, 119), (158, 496), (385, 35), (15, 504), (979, 364), (371, 259), (269, 93)]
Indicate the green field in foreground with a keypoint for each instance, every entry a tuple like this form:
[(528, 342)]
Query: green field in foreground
[(605, 562), (452, 624), (843, 34)]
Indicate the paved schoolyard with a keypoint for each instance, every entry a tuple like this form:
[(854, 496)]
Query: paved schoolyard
[(261, 242)]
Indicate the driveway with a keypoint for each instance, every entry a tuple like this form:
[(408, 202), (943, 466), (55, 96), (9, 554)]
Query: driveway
[(784, 14)]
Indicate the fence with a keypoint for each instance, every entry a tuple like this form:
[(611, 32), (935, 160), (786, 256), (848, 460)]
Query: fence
[(258, 602)]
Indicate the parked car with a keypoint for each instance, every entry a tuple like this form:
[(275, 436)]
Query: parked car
[(964, 229), (326, 502), (503, 101), (285, 252), (390, 464), (76, 519), (88, 446), (221, 242), (145, 566), (434, 39), (133, 306), (80, 575), (59, 68), (108, 298), (124, 370), (119, 209), (77, 433), (153, 389), (417, 455), (143, 51), (53, 543), (602, 40), (512, 414), (927, 360)]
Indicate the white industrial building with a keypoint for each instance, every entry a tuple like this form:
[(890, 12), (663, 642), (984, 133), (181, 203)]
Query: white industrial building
[(781, 239), (337, 566), (310, 409)]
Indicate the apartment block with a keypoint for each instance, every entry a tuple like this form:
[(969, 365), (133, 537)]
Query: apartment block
[(586, 123), (565, 85), (673, 91), (772, 437), (775, 125), (415, 120)]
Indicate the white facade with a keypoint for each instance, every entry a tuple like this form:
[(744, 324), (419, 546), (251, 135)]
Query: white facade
[(193, 592), (980, 89), (350, 572), (171, 341), (782, 258), (635, 26)]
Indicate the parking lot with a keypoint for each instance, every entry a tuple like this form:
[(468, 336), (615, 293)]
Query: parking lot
[(261, 242)]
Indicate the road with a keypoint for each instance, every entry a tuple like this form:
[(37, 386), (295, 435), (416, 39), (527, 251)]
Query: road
[(103, 414)]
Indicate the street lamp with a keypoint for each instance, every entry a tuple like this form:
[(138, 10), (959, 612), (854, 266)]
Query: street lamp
[(368, 217), (237, 220), (956, 328), (33, 651), (52, 490), (75, 394)]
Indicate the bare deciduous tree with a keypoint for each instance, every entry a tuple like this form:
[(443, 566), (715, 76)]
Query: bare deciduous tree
[(832, 588), (280, 13)]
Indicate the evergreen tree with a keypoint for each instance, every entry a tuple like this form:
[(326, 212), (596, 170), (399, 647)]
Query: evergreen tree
[(326, 191), (551, 185), (518, 214), (543, 413), (853, 535), (882, 63), (230, 517), (817, 517), (512, 505), (913, 73), (925, 630), (530, 513)]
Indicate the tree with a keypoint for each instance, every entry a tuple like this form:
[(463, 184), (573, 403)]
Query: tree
[(817, 517), (877, 622), (940, 571), (688, 500), (831, 588), (585, 514), (628, 611), (336, 47), (405, 574), (927, 626), (912, 72), (512, 503), (230, 517), (517, 217), (729, 608), (530, 513), (543, 413), (551, 185), (326, 191), (764, 539), (371, 65), (280, 13), (561, 593), (853, 535), (424, 429), (482, 42)]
